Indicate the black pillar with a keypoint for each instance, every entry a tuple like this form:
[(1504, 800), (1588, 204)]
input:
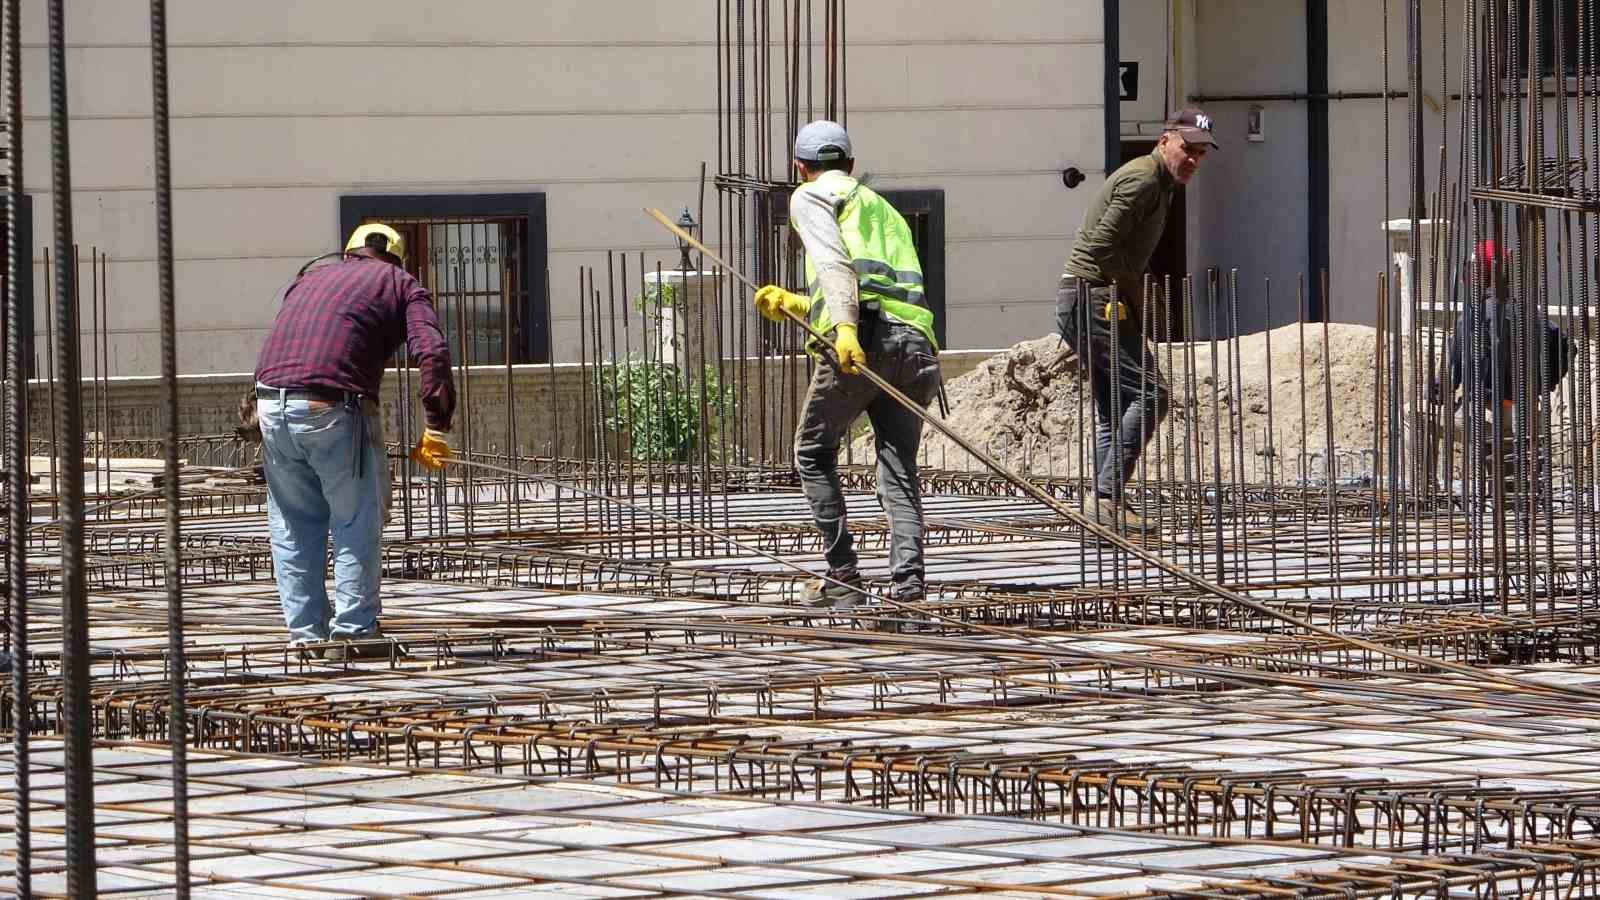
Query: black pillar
[(1317, 158)]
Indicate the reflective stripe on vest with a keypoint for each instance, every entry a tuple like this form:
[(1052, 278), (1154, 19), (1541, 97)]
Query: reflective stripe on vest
[(883, 255)]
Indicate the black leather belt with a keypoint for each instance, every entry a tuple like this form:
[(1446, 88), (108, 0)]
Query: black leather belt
[(326, 396)]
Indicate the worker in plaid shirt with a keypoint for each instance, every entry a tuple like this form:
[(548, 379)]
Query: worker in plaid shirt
[(317, 380)]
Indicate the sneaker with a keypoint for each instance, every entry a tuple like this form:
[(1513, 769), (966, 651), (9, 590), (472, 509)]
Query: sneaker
[(827, 593), (372, 645), (306, 649)]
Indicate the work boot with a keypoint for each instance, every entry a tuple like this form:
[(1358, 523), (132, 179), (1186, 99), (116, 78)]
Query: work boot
[(896, 617), (372, 645), (911, 591), (1133, 523), (826, 594), (1111, 513)]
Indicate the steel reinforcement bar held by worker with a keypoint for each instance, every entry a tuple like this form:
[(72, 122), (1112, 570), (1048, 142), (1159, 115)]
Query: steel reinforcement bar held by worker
[(867, 295), (317, 380)]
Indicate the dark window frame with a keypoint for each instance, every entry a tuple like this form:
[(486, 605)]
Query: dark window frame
[(1569, 67), (927, 202), (25, 318), (536, 313)]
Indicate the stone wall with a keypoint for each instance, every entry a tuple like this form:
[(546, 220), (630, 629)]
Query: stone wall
[(553, 405)]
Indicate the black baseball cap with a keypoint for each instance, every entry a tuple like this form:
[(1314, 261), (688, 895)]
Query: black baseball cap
[(1191, 124)]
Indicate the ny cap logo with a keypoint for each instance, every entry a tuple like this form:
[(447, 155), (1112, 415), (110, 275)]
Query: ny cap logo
[(1202, 121)]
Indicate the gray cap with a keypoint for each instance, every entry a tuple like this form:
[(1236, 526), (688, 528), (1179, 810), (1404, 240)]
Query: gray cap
[(822, 141)]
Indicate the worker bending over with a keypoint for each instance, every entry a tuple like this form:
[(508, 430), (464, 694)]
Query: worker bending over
[(867, 295), (317, 381)]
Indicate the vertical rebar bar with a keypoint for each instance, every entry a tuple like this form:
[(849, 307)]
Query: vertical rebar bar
[(17, 478), (177, 716), (76, 711)]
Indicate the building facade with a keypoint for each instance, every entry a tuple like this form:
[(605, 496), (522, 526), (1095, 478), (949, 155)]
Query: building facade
[(1307, 191), (535, 130)]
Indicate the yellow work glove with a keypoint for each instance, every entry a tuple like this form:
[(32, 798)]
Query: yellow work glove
[(432, 449), (772, 301), (848, 347)]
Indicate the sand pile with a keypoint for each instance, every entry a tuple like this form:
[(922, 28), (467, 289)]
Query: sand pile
[(1030, 409)]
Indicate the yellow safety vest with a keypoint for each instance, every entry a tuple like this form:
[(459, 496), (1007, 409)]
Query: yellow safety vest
[(883, 256)]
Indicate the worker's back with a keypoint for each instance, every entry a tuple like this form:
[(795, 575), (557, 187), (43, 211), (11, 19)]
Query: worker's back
[(338, 326), (1491, 341)]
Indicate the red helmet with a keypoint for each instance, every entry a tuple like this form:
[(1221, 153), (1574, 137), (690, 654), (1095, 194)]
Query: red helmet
[(1484, 255)]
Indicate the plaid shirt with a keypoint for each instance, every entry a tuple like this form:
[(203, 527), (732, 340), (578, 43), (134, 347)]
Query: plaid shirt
[(341, 323)]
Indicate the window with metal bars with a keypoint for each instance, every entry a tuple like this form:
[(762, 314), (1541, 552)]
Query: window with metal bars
[(1546, 27), (482, 257), (924, 213)]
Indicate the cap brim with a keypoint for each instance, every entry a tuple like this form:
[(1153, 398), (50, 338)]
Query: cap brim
[(1196, 136), (828, 153)]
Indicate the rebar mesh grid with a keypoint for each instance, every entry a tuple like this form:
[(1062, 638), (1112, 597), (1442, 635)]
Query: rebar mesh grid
[(276, 827)]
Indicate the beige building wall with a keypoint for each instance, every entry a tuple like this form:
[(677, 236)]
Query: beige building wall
[(605, 106), (1250, 205)]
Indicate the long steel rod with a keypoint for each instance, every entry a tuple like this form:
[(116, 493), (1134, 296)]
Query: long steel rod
[(17, 258), (78, 753), (1111, 537), (178, 671)]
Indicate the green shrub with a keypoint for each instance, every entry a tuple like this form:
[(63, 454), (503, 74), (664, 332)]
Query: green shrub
[(658, 415), (660, 296)]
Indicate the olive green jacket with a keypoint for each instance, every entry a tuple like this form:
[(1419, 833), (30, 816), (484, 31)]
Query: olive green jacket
[(1122, 227)]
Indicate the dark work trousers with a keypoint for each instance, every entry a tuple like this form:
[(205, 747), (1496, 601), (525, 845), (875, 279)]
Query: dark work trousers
[(903, 357), (1130, 396)]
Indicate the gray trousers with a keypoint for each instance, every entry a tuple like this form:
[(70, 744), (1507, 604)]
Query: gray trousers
[(1512, 469), (1130, 396), (903, 357)]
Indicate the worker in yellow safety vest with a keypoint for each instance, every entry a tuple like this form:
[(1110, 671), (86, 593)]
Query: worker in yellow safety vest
[(866, 294)]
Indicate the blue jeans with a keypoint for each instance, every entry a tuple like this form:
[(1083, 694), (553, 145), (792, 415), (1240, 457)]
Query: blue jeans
[(313, 491), (1131, 398)]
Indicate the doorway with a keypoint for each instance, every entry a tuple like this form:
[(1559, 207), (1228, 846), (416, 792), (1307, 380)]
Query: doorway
[(1170, 257)]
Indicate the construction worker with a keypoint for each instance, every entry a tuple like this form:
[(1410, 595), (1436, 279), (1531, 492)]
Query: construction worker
[(317, 380), (867, 295), (1481, 358), (1120, 231)]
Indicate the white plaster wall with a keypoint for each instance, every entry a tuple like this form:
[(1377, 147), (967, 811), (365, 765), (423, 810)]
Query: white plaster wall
[(1249, 206), (606, 106), (1357, 207)]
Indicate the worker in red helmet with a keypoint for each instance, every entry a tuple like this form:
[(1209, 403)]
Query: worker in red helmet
[(1482, 362)]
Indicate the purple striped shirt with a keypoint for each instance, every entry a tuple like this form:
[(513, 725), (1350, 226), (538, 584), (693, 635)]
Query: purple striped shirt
[(341, 323)]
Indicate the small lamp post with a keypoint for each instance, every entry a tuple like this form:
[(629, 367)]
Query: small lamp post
[(688, 224)]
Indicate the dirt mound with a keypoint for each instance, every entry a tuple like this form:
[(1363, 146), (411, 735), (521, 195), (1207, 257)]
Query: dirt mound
[(1030, 409)]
